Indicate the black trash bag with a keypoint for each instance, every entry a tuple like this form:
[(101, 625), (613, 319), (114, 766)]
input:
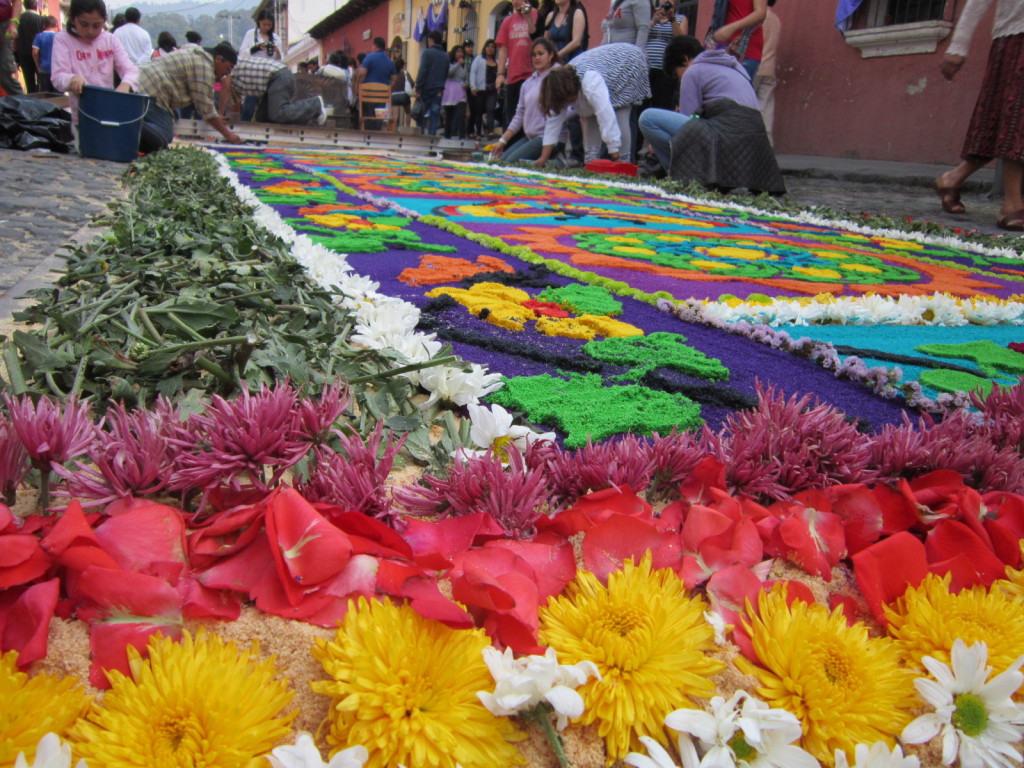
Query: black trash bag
[(27, 123)]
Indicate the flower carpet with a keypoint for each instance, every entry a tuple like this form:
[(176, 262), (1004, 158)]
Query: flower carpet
[(263, 570), (613, 308)]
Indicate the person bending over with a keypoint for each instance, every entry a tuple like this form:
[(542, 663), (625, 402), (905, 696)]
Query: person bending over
[(273, 85), (179, 79), (601, 85)]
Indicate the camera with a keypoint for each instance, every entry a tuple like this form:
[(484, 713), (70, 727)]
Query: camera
[(666, 7)]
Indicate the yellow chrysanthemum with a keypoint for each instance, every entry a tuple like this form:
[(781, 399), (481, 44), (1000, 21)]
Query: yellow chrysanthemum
[(929, 618), (405, 688), (845, 687), (34, 706), (647, 638), (195, 703), (1013, 584)]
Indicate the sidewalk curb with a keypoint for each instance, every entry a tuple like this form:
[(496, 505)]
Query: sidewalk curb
[(43, 275)]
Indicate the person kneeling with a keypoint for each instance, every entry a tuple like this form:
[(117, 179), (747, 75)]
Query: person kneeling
[(274, 85), (177, 80), (717, 137)]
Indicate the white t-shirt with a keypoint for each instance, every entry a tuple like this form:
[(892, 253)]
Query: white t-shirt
[(135, 41), (251, 38)]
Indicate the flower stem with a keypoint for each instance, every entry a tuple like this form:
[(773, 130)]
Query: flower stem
[(541, 715)]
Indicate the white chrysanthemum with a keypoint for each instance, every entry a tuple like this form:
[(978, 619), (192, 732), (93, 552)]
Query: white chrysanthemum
[(657, 756), (878, 755), (739, 731), (979, 721), (304, 754), (51, 752), (521, 684), (492, 430), (458, 386)]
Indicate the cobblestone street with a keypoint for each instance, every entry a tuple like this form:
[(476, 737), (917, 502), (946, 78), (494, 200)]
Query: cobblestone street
[(45, 199)]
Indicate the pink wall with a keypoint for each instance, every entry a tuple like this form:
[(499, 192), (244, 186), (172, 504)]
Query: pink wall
[(833, 103), (378, 21)]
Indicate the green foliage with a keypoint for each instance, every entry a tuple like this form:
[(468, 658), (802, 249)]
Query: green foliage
[(186, 296)]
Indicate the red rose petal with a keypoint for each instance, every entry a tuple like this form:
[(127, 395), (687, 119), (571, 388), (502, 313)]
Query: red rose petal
[(886, 569), (610, 543), (953, 547), (308, 550), (144, 535), (109, 641), (26, 625)]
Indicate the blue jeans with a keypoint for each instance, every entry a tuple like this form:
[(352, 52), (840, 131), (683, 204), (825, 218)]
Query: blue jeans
[(752, 65), (249, 104), (524, 149), (432, 111), (658, 127)]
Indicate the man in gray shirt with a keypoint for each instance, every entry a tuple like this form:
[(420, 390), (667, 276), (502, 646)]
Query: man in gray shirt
[(430, 80)]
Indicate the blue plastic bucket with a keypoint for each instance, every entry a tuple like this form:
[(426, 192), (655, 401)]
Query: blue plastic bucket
[(110, 123)]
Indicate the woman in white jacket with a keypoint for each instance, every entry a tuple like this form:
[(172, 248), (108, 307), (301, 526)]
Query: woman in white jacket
[(601, 85)]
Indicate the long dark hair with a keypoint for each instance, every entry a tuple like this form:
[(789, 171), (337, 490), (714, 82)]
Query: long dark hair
[(81, 7), (557, 88), (266, 15)]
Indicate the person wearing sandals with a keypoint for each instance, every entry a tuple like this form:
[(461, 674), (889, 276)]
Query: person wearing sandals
[(997, 125)]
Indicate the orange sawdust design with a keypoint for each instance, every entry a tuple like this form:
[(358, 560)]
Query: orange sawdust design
[(935, 277), (325, 208), (296, 188), (505, 307), (434, 269)]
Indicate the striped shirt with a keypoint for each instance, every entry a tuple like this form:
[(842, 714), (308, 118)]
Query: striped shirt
[(250, 77), (178, 79), (658, 41), (624, 69)]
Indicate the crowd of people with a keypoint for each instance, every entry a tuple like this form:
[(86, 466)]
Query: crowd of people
[(540, 91)]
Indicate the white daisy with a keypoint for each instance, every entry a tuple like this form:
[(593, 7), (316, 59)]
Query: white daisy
[(304, 754), (659, 756), (492, 430), (458, 386), (979, 721), (734, 734), (878, 755), (51, 752)]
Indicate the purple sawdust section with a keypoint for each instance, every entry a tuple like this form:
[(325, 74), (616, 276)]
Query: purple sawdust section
[(748, 361)]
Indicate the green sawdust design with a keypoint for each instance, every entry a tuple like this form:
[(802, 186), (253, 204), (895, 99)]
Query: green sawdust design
[(584, 408), (746, 260), (990, 357), (659, 349), (955, 381), (583, 300), (305, 197), (367, 240)]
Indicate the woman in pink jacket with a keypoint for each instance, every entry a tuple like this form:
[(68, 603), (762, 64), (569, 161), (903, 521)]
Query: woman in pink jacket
[(87, 54)]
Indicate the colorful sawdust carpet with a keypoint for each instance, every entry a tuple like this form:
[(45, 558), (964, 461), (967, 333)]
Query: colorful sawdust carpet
[(556, 283)]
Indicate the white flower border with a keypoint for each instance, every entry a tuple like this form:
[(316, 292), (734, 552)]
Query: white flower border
[(382, 322)]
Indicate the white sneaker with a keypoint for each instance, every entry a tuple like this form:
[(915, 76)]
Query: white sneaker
[(322, 117)]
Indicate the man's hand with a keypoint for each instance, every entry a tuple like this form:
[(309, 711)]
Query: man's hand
[(951, 64), (233, 138)]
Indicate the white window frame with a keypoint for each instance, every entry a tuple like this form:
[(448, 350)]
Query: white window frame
[(878, 39)]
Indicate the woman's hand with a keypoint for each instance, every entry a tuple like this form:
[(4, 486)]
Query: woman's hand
[(123, 87), (76, 84), (498, 148)]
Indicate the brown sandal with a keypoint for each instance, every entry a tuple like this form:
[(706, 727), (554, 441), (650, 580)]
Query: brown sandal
[(1012, 222), (950, 197)]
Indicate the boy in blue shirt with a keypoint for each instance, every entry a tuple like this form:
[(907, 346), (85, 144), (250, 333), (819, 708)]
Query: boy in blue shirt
[(42, 49)]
